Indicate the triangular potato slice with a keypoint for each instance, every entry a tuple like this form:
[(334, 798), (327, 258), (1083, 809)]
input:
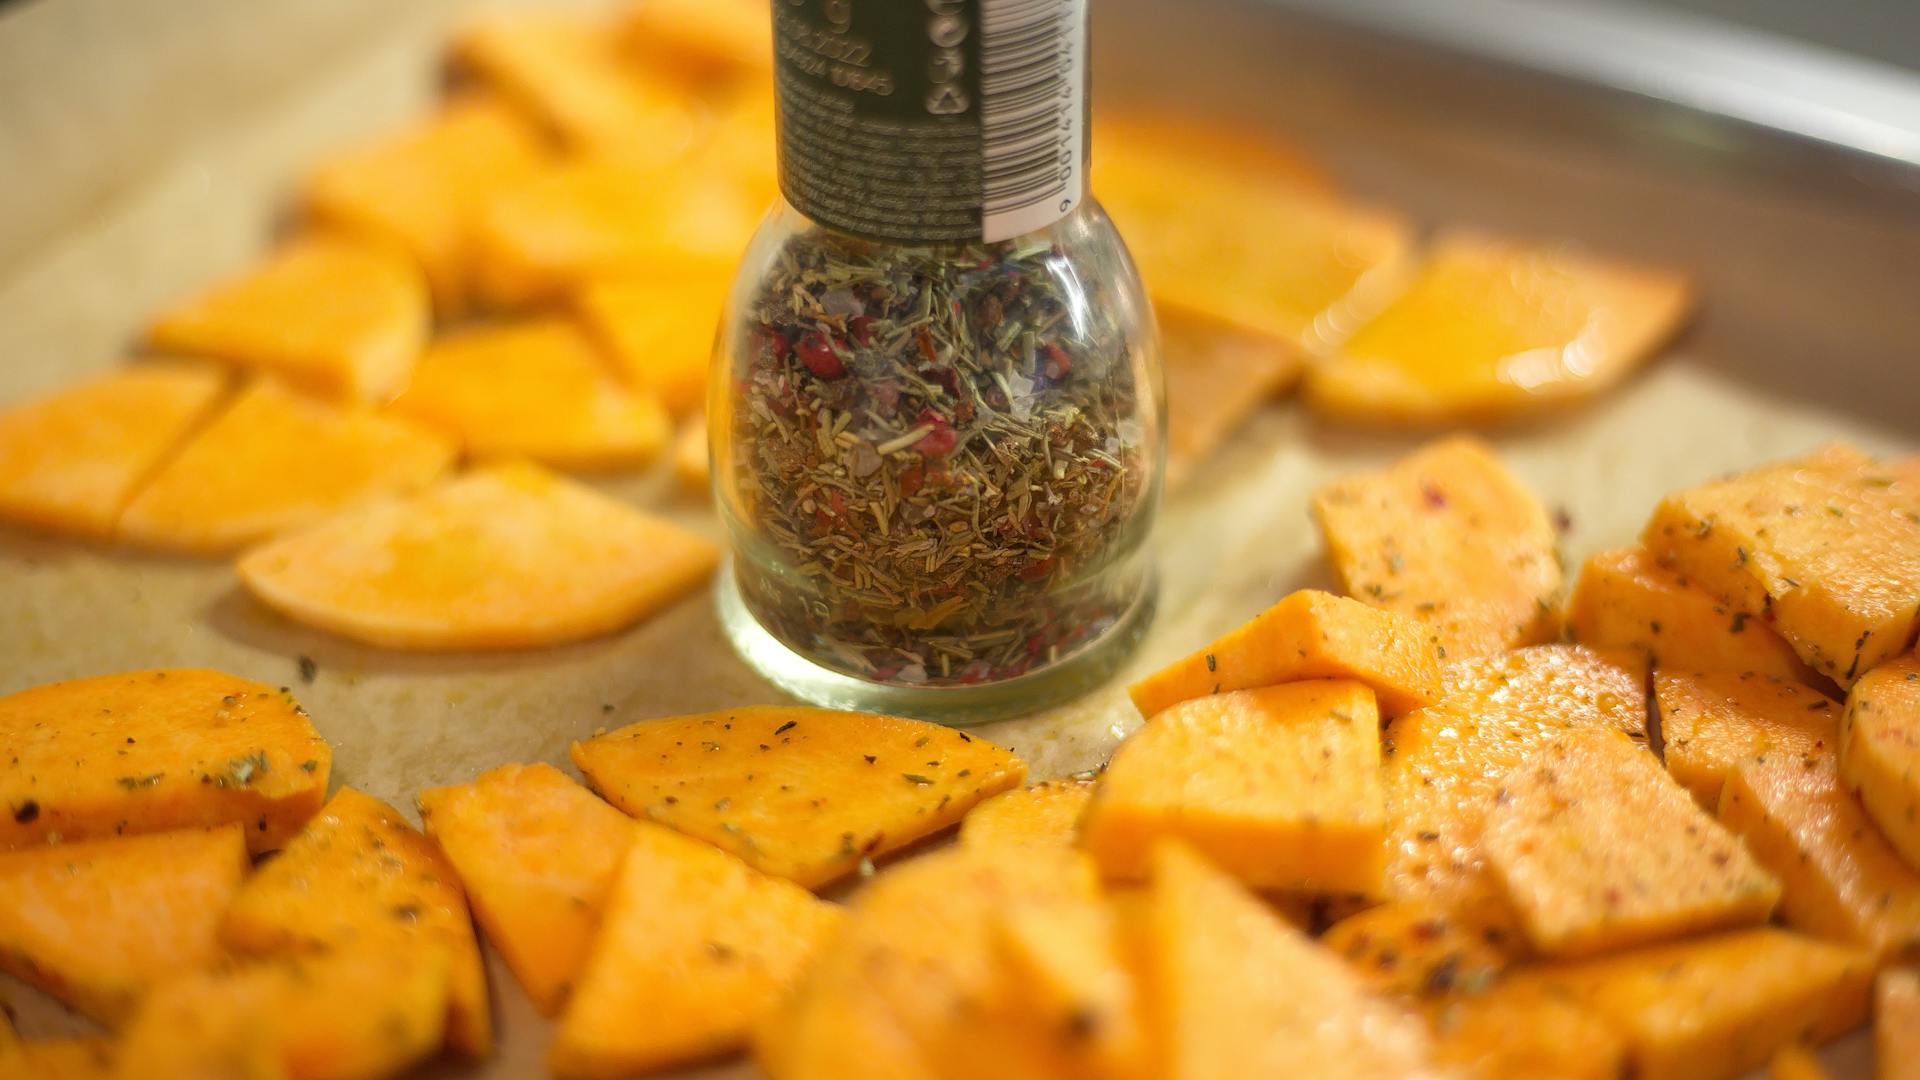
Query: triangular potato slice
[(1626, 599), (1217, 374), (1880, 750), (1710, 723), (358, 874), (99, 923), (659, 328), (360, 343), (71, 460), (537, 854), (1071, 969), (1281, 786), (694, 946), (272, 460), (147, 751), (506, 557), (1047, 813), (799, 793)]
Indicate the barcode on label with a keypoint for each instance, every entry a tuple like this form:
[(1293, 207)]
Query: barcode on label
[(1032, 108)]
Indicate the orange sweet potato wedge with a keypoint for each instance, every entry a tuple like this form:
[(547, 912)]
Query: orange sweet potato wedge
[(1824, 548), (360, 344), (147, 751), (1256, 157), (1896, 1024), (1217, 375), (1418, 948), (70, 461), (85, 1057), (1519, 1031), (1046, 813), (659, 329), (506, 557), (1712, 722), (274, 460), (694, 941), (99, 923), (420, 188), (1488, 329), (1280, 786), (538, 389), (537, 854), (799, 793), (704, 37), (1448, 536), (1069, 960), (359, 874), (1307, 635), (1880, 750)]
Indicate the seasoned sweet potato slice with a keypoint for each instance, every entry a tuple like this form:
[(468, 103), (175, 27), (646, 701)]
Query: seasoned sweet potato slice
[(506, 557), (421, 188), (1307, 635), (1841, 877), (1448, 536), (799, 793), (1598, 850), (1488, 328), (694, 941), (100, 922), (1711, 723), (1067, 957), (71, 460), (1421, 948), (359, 874), (537, 854), (1521, 1032), (1713, 1008), (361, 343), (1825, 548), (274, 460), (147, 751), (1880, 750), (77, 1058), (537, 389), (1626, 599), (1045, 813), (1896, 1024), (1795, 1062), (1217, 374), (1280, 786), (659, 330)]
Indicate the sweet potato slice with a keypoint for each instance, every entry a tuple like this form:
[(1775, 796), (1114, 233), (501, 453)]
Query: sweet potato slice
[(659, 329), (147, 751), (274, 460), (1488, 328), (710, 37), (690, 460), (359, 874), (76, 1058), (100, 922), (1448, 536), (1068, 960), (421, 188), (70, 461), (803, 794), (1307, 635), (538, 389), (1046, 813), (1234, 991), (361, 343), (1825, 548), (1217, 374), (1896, 1024), (1841, 877), (1795, 1062), (1711, 723), (1598, 850), (1713, 1008), (1421, 948), (694, 941), (506, 557), (1280, 786), (1626, 599), (1253, 156), (1520, 1032), (537, 854), (1880, 750)]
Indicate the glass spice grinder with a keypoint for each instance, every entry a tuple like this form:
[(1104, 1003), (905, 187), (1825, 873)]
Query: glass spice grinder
[(936, 415)]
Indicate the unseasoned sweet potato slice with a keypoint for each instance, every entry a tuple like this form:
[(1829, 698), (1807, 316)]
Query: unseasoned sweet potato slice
[(506, 557), (1880, 750), (77, 1058), (1713, 1008), (537, 854), (799, 793), (147, 751), (1896, 1024), (696, 944), (420, 189), (100, 922), (1626, 599), (1217, 374), (1489, 328), (1420, 948), (1598, 849), (361, 343), (1841, 877), (359, 874), (1825, 548), (1281, 786), (1522, 1032), (1045, 813), (1307, 635), (273, 460), (1448, 536), (1795, 1062), (690, 460), (538, 389), (71, 460), (1067, 957), (1711, 723), (659, 330)]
